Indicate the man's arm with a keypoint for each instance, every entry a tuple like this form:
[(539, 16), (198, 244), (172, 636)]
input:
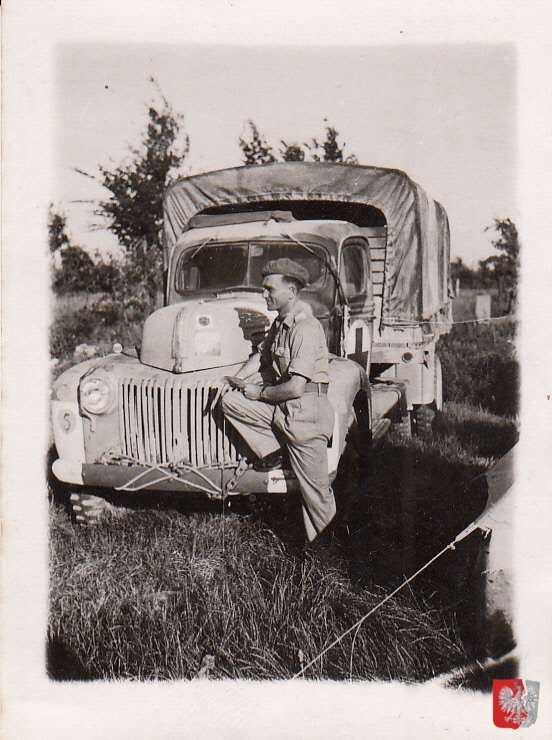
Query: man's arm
[(250, 366), (292, 388), (302, 350), (261, 357)]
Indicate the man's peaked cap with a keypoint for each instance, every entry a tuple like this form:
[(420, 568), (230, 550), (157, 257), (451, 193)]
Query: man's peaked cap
[(288, 268)]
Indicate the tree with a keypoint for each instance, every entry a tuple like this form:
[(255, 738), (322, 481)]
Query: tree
[(256, 149), (77, 271), (330, 150), (134, 212), (465, 275), (292, 152), (254, 146), (503, 269), (57, 230), (73, 266)]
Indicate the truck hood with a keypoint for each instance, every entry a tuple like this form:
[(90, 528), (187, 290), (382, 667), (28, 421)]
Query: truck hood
[(203, 334)]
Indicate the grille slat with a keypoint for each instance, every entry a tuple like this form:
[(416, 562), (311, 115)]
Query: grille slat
[(182, 423), (132, 403), (154, 391), (199, 425), (163, 411), (149, 439), (192, 429), (172, 422), (141, 427), (175, 408), (147, 426), (206, 436)]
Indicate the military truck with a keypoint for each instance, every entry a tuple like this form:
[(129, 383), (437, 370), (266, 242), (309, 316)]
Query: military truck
[(377, 252)]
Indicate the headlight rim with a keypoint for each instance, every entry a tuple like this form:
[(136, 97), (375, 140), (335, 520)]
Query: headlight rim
[(109, 395)]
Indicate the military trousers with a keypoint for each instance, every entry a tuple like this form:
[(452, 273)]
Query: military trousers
[(306, 425)]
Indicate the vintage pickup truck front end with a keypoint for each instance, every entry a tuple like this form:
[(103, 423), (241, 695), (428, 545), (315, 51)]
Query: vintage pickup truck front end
[(154, 422)]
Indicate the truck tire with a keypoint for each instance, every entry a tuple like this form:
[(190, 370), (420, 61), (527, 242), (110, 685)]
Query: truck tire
[(88, 509), (425, 414), (403, 428), (424, 418)]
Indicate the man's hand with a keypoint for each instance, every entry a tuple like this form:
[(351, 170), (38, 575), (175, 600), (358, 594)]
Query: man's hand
[(252, 391), (234, 381), (223, 388)]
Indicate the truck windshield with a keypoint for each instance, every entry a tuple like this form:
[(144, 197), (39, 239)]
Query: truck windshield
[(223, 266)]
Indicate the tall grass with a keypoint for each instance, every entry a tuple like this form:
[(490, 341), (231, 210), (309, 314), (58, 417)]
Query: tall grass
[(150, 595)]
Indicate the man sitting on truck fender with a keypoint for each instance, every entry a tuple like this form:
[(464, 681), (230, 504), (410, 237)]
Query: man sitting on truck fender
[(296, 406)]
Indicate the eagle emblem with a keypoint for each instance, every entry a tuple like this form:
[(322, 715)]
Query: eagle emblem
[(515, 703)]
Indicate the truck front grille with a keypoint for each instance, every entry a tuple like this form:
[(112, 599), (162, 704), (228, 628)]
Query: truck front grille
[(172, 422)]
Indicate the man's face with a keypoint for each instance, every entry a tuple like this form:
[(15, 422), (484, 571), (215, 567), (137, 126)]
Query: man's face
[(277, 293)]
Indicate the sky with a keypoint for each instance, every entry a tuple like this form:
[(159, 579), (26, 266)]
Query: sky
[(445, 114)]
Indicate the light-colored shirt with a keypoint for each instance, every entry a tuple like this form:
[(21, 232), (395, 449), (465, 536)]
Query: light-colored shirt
[(296, 345)]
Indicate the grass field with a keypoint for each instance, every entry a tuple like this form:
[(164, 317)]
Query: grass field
[(177, 584)]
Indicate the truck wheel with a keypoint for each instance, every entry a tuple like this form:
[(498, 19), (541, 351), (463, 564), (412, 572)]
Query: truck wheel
[(424, 418), (403, 428), (425, 414), (88, 509)]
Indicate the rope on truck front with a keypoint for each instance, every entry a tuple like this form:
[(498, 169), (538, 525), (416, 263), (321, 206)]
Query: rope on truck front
[(165, 475)]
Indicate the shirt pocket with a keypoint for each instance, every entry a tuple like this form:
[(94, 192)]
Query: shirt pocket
[(282, 358)]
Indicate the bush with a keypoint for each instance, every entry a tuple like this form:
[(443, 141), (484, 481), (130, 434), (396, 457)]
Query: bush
[(102, 322), (480, 367), (76, 272), (80, 273), (70, 330)]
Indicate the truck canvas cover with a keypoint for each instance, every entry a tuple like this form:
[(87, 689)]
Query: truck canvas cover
[(417, 258)]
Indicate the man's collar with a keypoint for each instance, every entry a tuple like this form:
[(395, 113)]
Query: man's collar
[(289, 318)]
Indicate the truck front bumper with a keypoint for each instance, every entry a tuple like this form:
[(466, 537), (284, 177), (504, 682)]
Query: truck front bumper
[(136, 478)]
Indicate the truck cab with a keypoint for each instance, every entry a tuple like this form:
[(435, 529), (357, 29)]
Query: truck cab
[(220, 259)]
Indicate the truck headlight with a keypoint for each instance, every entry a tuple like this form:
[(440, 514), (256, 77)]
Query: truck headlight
[(96, 395)]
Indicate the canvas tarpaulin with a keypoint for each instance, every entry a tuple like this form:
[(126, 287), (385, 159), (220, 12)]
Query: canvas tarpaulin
[(417, 260)]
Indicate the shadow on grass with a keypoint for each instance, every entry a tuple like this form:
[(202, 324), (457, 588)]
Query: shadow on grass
[(411, 501), (63, 663), (480, 677)]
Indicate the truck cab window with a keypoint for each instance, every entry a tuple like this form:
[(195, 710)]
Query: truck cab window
[(354, 272), (214, 267), (225, 266), (263, 253)]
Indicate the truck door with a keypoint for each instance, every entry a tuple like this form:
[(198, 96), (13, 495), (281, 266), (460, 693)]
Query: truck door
[(357, 285)]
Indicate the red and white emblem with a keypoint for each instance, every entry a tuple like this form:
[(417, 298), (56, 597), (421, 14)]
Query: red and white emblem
[(515, 703)]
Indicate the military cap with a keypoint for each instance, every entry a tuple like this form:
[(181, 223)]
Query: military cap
[(288, 268)]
